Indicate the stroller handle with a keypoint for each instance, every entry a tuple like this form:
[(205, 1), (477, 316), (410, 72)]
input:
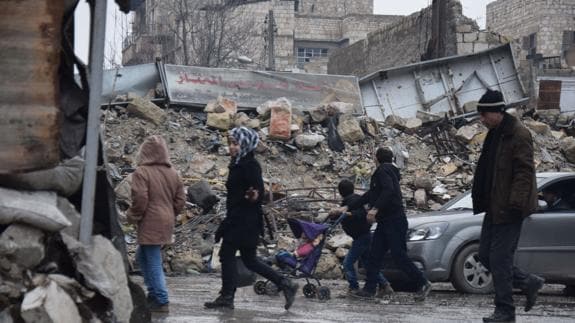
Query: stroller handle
[(338, 221)]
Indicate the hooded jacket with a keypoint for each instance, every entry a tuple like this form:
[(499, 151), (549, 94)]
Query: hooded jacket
[(157, 194), (384, 193)]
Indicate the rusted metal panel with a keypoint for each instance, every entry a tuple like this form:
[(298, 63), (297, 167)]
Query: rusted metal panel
[(195, 86), (549, 94), (29, 58), (556, 92)]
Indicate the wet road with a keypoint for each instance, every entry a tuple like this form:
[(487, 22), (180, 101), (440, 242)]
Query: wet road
[(187, 295)]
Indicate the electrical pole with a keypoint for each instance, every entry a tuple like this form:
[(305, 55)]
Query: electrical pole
[(271, 26)]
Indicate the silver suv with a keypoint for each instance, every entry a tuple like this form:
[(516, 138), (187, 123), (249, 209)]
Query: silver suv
[(444, 244)]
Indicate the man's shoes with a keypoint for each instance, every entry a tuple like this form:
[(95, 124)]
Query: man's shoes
[(159, 308), (222, 301), (384, 290), (423, 292), (534, 284), (499, 316), (290, 289), (363, 294), (351, 291)]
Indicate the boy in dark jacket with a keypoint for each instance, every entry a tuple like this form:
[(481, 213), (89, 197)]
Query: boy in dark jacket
[(355, 225)]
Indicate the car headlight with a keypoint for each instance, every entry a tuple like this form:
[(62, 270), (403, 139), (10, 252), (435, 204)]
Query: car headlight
[(428, 231)]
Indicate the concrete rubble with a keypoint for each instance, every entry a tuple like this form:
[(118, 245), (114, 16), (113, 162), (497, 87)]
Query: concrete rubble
[(299, 161), (46, 274)]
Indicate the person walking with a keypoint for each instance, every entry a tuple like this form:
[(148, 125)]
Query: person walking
[(356, 226), (504, 187), (386, 207), (243, 224), (157, 197)]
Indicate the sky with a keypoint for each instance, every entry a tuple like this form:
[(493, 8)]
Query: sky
[(117, 23)]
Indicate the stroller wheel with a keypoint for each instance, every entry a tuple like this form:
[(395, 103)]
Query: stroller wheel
[(260, 287), (271, 289), (323, 293), (309, 290)]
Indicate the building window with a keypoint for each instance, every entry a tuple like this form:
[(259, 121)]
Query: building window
[(305, 54), (530, 44), (568, 40)]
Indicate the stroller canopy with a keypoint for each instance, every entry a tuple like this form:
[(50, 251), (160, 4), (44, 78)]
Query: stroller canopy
[(311, 230)]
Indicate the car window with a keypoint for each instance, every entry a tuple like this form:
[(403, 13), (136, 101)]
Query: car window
[(557, 196)]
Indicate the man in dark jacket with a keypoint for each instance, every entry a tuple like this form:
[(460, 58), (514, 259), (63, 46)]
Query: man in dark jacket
[(355, 225), (504, 187), (386, 206)]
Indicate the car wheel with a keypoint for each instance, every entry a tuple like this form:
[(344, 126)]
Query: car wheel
[(468, 275)]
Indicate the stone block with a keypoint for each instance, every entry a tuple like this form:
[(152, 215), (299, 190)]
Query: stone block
[(201, 164), (318, 114), (23, 245), (49, 304), (102, 267), (420, 198), (568, 148), (448, 169), (464, 28), (421, 182), (349, 129), (341, 240), (558, 134), (466, 133), (538, 127), (478, 47), (147, 110), (464, 48), (220, 121), (341, 252), (412, 124), (308, 141), (201, 194), (280, 123), (124, 190), (470, 37)]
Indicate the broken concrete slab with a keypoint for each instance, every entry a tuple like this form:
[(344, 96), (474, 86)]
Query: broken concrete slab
[(38, 209), (201, 164), (558, 134), (102, 267), (49, 304), (23, 245), (124, 190), (318, 114), (187, 262), (147, 110), (349, 129), (328, 267), (423, 182), (411, 125)]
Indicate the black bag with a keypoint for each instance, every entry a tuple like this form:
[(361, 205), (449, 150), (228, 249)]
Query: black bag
[(245, 276)]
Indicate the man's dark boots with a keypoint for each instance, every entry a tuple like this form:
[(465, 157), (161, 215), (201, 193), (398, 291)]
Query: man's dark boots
[(290, 289), (499, 316), (534, 284), (224, 300)]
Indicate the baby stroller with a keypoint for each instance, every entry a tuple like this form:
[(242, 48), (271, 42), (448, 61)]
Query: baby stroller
[(304, 267)]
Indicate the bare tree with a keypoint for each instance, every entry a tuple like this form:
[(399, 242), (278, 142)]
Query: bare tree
[(211, 33)]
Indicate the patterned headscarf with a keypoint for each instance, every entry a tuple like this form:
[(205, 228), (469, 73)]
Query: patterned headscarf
[(247, 139)]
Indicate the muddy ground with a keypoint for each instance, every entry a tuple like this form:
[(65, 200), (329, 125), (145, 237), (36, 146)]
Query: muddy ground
[(187, 295)]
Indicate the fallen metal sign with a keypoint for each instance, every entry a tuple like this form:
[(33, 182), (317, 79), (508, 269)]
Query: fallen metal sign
[(196, 86), (441, 86)]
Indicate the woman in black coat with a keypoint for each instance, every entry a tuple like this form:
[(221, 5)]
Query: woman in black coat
[(243, 224)]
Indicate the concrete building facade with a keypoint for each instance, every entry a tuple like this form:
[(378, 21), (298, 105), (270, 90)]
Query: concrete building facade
[(406, 41), (545, 28), (305, 34)]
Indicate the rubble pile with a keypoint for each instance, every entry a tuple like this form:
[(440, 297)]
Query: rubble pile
[(303, 151), (46, 274)]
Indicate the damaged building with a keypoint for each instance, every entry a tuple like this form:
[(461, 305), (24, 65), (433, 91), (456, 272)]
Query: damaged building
[(286, 35)]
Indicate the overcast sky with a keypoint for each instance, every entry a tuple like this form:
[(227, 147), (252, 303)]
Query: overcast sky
[(117, 22)]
